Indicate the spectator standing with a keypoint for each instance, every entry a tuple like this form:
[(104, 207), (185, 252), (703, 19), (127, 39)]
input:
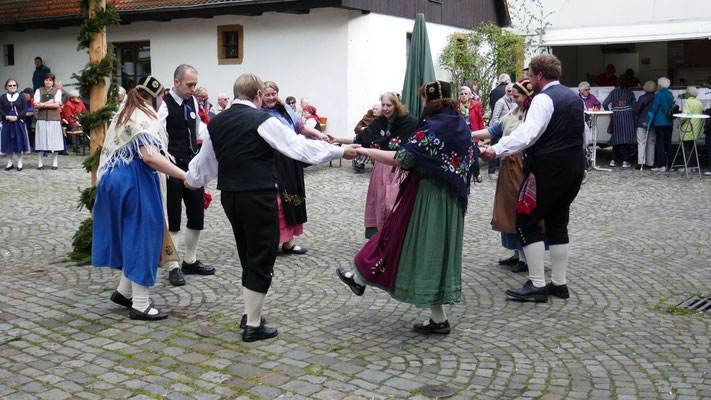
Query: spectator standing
[(645, 139), (49, 135), (634, 82), (503, 106), (203, 105), (657, 119), (60, 86), (291, 102), (690, 128), (13, 137), (223, 103), (471, 83), (621, 102), (30, 115), (607, 78), (40, 71)]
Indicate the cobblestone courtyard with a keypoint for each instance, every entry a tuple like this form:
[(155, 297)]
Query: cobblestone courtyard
[(639, 244)]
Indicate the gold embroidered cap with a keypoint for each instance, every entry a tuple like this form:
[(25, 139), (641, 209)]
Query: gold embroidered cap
[(151, 85), (438, 90)]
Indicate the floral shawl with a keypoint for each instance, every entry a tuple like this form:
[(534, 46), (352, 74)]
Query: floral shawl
[(443, 147), (122, 143)]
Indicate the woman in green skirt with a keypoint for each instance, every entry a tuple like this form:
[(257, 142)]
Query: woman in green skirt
[(417, 255)]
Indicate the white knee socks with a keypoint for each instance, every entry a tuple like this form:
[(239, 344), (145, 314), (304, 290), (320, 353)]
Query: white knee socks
[(39, 159), (521, 256), (535, 254), (19, 160), (54, 159), (253, 303), (9, 159), (140, 298), (438, 314), (124, 287), (559, 263), (191, 242)]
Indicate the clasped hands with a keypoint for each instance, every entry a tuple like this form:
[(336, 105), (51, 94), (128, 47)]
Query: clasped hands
[(487, 153)]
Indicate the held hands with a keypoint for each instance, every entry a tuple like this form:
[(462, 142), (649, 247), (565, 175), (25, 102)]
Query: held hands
[(185, 182), (350, 152), (487, 153), (362, 151)]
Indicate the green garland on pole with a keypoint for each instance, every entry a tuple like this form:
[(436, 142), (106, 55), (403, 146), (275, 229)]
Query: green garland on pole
[(92, 74)]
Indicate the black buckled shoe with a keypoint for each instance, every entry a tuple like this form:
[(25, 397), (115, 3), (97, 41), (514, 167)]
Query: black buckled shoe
[(121, 300), (560, 292), (528, 292), (432, 327), (520, 267), (175, 277), (509, 261), (198, 268), (348, 280), (243, 321), (252, 334), (145, 316)]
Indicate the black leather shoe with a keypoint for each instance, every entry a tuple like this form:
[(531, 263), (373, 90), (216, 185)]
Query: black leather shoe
[(560, 292), (175, 277), (355, 288), (144, 316), (8, 168), (509, 261), (252, 334), (19, 169), (520, 267), (54, 168), (198, 268), (40, 168), (121, 300), (528, 292), (432, 327), (243, 321)]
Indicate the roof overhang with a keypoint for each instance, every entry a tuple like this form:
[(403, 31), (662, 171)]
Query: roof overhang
[(633, 33)]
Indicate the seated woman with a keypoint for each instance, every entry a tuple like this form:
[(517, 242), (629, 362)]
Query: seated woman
[(591, 102), (417, 256), (129, 222), (73, 107)]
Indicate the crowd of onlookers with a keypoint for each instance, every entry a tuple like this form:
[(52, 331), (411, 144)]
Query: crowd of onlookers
[(646, 121)]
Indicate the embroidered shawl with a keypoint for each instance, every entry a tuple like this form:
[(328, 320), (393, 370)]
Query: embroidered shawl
[(377, 135), (122, 143), (443, 147)]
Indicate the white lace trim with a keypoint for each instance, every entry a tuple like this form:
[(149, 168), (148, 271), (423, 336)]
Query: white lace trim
[(126, 153)]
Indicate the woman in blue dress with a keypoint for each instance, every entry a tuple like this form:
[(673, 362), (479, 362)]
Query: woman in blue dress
[(13, 107), (128, 213)]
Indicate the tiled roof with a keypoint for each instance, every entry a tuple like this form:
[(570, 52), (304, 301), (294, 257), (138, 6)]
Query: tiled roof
[(27, 10)]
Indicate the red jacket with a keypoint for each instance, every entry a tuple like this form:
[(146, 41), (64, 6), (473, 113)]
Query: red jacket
[(71, 109), (476, 121)]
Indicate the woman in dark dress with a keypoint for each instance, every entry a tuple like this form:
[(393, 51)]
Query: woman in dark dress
[(13, 107), (290, 173), (621, 102)]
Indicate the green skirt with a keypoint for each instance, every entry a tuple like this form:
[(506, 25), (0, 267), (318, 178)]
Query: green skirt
[(430, 268)]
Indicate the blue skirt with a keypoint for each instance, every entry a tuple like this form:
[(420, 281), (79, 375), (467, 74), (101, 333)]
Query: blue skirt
[(128, 222), (13, 138)]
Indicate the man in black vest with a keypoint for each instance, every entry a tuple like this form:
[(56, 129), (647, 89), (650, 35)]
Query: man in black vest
[(240, 152), (552, 136), (179, 114)]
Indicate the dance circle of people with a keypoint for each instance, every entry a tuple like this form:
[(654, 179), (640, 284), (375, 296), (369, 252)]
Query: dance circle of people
[(257, 148)]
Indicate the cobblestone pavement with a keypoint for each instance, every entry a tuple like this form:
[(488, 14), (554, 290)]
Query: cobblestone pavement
[(639, 244)]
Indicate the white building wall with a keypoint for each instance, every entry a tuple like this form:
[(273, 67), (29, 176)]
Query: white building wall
[(341, 60), (377, 58)]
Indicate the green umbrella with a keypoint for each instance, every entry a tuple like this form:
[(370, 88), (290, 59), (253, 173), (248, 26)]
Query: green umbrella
[(420, 68)]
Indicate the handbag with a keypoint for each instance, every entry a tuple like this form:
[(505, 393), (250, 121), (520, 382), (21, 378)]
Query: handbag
[(673, 109)]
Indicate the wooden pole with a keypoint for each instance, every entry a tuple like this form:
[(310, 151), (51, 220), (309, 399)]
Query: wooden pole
[(98, 92)]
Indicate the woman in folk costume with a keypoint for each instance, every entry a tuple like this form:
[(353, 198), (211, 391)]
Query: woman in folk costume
[(510, 176), (49, 135), (13, 138), (290, 173), (312, 119), (417, 255), (129, 220), (391, 129)]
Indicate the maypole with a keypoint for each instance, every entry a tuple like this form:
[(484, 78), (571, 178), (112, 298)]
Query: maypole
[(92, 84)]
